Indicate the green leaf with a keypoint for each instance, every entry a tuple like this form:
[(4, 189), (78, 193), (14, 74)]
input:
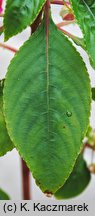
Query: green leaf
[(90, 135), (78, 41), (77, 182), (84, 11), (5, 142), (47, 100), (1, 31), (93, 94), (3, 195), (89, 131), (20, 14)]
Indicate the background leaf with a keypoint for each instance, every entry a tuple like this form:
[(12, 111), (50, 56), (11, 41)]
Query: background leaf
[(3, 195), (93, 94), (1, 32), (84, 11), (47, 105), (77, 182), (5, 142), (20, 14), (90, 135)]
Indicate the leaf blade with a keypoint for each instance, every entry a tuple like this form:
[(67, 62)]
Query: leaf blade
[(50, 125), (5, 142), (85, 15), (77, 181), (3, 195), (93, 94), (20, 14)]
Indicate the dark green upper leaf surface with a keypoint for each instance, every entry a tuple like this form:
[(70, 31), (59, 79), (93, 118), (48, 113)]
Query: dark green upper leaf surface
[(19, 14), (77, 182), (5, 142), (3, 195), (84, 11), (47, 105)]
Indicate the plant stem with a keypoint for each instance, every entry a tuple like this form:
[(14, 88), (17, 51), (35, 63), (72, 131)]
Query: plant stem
[(60, 3), (8, 48), (67, 5), (57, 2), (77, 40), (61, 24), (25, 170), (36, 23), (67, 33), (1, 28), (1, 15), (25, 181)]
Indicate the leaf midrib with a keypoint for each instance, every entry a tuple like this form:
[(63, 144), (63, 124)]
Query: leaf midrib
[(47, 75)]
